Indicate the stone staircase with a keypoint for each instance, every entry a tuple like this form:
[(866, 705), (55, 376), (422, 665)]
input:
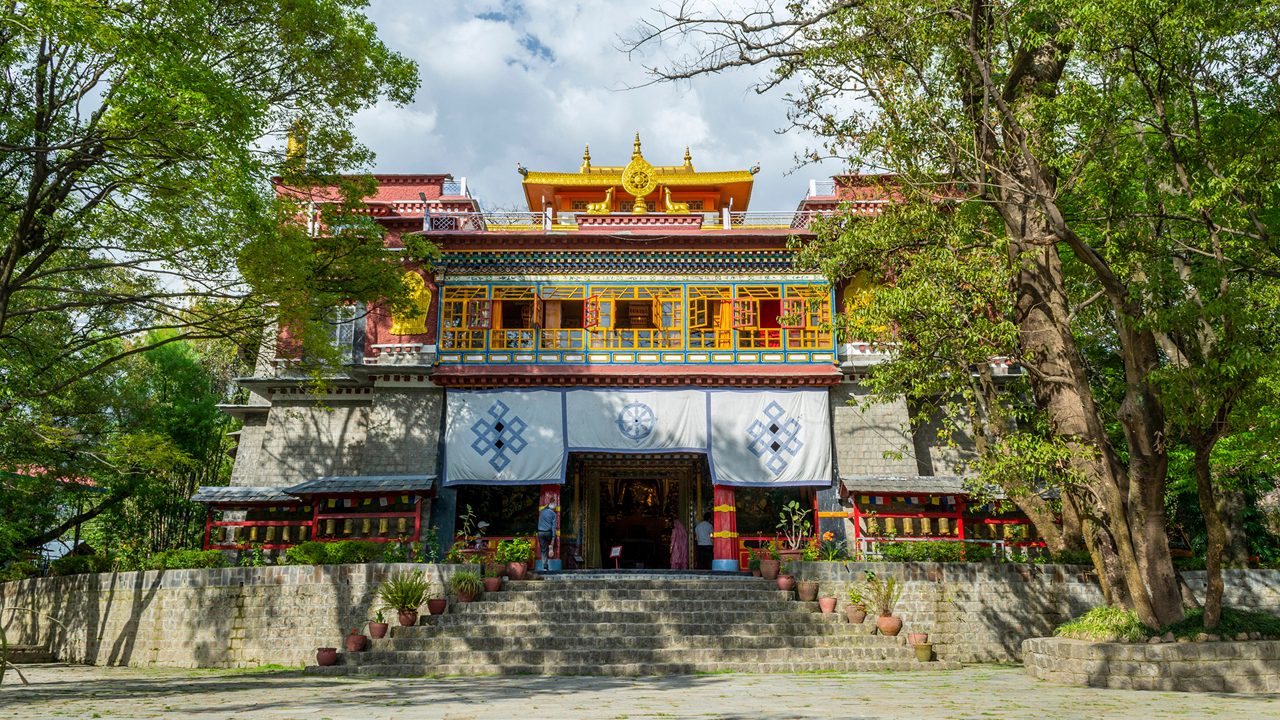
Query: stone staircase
[(30, 654), (620, 624)]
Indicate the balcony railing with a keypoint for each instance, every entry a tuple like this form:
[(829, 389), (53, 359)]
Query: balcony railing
[(822, 188), (567, 221), (455, 188)]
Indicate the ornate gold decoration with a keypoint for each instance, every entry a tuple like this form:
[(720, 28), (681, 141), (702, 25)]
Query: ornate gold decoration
[(296, 149), (420, 296), (604, 207), (675, 208), (602, 179), (639, 178), (586, 159), (688, 159)]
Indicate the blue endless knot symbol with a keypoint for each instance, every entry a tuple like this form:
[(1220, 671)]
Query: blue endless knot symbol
[(635, 421), (775, 437), (500, 435)]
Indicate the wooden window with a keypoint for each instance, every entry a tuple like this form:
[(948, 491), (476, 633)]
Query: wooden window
[(793, 315), (479, 314), (746, 314), (539, 311), (597, 313), (700, 314)]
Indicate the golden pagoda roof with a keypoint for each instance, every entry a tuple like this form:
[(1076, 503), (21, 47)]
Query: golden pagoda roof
[(735, 184)]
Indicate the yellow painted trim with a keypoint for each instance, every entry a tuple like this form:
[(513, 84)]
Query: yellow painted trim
[(724, 534), (724, 508), (673, 179)]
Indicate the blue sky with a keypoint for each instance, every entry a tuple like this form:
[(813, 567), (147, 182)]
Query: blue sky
[(532, 81)]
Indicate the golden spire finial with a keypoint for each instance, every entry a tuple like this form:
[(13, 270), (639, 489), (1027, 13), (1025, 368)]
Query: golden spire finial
[(688, 159), (586, 158), (635, 148), (296, 149)]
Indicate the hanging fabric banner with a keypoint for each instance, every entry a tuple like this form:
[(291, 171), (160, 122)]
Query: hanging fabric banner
[(636, 420), (771, 438), (508, 437)]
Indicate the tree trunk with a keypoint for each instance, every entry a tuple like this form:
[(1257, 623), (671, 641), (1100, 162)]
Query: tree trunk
[(1216, 529)]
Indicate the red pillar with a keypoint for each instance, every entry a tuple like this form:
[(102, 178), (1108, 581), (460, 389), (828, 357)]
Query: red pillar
[(724, 536), (551, 496)]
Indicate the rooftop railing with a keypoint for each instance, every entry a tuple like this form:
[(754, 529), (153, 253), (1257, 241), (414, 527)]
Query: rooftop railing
[(450, 221), (455, 188)]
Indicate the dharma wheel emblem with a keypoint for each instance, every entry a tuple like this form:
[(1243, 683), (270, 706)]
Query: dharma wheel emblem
[(635, 421), (639, 178)]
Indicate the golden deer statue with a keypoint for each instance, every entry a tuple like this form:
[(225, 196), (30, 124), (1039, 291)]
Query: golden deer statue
[(675, 208), (604, 207)]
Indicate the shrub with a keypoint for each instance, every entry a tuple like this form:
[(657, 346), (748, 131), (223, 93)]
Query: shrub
[(182, 559), (1072, 557), (19, 570), (940, 551), (513, 550), (404, 591), (882, 595), (307, 553), (80, 564), (342, 552), (1104, 624), (466, 582)]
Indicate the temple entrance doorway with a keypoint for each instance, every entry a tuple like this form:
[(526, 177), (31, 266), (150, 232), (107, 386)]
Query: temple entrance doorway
[(632, 502)]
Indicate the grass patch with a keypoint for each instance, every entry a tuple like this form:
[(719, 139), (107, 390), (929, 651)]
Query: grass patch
[(1113, 624)]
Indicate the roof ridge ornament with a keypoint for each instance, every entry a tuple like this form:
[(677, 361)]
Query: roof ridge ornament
[(586, 159), (639, 179), (688, 159), (635, 147)]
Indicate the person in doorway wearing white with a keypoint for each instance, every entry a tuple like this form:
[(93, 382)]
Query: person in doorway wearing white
[(702, 531), (546, 531)]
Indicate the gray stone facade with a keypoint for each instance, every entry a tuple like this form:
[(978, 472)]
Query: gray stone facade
[(1250, 666)]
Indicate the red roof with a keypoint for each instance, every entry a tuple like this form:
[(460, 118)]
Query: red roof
[(635, 375)]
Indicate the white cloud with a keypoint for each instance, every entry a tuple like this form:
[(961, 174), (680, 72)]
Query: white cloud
[(531, 82)]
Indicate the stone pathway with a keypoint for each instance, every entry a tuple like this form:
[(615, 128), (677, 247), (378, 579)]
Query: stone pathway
[(59, 691)]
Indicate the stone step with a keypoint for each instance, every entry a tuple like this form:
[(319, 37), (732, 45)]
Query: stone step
[(623, 656), (491, 643), (561, 591), (586, 603), (635, 669), (721, 617), (30, 654), (784, 626), (591, 585)]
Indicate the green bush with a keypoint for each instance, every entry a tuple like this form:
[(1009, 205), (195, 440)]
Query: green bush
[(184, 559), (1105, 624), (465, 581), (513, 550), (342, 552), (80, 564), (404, 591), (935, 551), (1072, 557), (19, 570)]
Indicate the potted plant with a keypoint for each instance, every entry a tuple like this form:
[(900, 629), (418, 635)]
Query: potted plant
[(883, 596), (786, 581), (917, 638), (753, 561), (856, 610), (770, 562), (807, 590), (404, 592), (326, 656), (466, 584), (793, 524), (355, 641), (827, 603), (492, 577), (924, 652), (515, 552), (436, 602), (378, 625)]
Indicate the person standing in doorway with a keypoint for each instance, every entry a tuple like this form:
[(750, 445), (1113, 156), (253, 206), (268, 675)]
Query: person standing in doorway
[(702, 531), (547, 520)]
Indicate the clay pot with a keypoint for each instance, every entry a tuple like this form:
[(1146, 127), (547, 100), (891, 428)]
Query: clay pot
[(492, 584), (409, 617), (466, 597), (356, 642), (755, 572), (516, 570), (791, 555), (769, 568), (786, 582), (436, 606), (827, 604), (807, 590), (889, 625), (377, 630), (495, 568), (924, 652), (326, 656), (917, 638), (855, 614)]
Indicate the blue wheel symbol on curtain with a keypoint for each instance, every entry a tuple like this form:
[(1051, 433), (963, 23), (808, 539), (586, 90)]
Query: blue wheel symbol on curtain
[(635, 421)]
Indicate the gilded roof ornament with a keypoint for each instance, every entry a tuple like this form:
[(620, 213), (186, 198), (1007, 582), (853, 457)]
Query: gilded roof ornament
[(688, 159), (635, 147), (586, 159)]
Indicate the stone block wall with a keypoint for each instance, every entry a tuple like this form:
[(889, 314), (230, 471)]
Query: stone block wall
[(871, 441), (1237, 667), (228, 617)]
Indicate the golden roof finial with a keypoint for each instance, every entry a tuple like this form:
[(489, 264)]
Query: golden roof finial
[(586, 159), (635, 148), (296, 149), (688, 159)]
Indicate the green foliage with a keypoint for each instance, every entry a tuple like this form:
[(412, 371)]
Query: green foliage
[(254, 557), (397, 552), (1105, 624), (793, 524), (857, 598), (19, 570), (181, 559), (404, 590), (466, 582), (513, 550), (341, 552), (881, 594), (1233, 622), (80, 564)]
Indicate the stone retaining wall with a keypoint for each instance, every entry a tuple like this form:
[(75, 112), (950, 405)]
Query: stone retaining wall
[(1246, 666), (228, 617), (980, 612)]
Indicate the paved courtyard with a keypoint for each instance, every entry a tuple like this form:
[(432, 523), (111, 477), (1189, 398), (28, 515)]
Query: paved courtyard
[(974, 692)]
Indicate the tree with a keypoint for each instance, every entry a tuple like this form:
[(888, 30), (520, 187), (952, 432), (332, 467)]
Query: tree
[(1125, 152)]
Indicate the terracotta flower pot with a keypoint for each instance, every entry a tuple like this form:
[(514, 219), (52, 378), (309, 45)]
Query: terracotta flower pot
[(889, 625), (769, 568), (855, 614), (827, 604), (436, 606), (807, 590), (466, 597), (516, 570), (356, 642), (786, 582), (492, 584), (917, 638), (326, 656), (791, 555), (378, 630), (924, 652), (408, 617), (495, 568)]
